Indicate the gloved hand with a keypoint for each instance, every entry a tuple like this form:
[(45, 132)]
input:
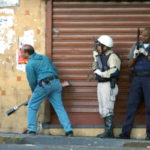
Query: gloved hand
[(136, 53), (94, 65), (98, 72), (143, 51), (95, 54)]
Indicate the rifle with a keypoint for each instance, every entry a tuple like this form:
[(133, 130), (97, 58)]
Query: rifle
[(94, 64), (131, 75), (12, 110), (138, 39)]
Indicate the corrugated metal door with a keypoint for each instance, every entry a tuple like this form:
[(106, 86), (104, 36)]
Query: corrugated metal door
[(75, 26)]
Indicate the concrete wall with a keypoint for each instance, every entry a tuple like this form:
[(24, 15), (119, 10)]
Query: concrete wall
[(27, 21)]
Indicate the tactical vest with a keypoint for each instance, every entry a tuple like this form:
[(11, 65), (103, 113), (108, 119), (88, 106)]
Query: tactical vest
[(142, 63), (103, 66)]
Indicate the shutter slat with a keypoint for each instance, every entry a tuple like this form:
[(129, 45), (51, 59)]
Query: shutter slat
[(75, 27)]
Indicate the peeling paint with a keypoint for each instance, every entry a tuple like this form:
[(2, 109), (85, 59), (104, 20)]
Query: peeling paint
[(8, 63), (7, 11), (6, 21), (4, 62), (28, 38), (8, 3), (6, 33), (56, 30)]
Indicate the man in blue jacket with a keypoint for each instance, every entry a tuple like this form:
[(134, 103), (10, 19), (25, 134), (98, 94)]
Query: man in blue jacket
[(139, 59), (43, 79)]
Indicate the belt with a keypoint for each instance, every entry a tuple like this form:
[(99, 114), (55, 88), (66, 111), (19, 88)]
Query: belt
[(103, 80), (47, 80), (141, 74)]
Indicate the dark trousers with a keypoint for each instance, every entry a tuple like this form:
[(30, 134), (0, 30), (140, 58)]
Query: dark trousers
[(140, 87)]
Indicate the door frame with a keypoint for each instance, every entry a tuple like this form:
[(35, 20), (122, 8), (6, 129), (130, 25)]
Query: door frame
[(48, 45)]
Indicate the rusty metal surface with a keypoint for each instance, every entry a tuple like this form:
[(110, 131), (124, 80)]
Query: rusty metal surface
[(75, 26)]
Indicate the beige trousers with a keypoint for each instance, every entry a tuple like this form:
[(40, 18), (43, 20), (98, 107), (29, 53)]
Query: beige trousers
[(106, 98)]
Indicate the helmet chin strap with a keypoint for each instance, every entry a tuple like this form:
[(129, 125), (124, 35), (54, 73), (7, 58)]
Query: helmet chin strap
[(102, 47)]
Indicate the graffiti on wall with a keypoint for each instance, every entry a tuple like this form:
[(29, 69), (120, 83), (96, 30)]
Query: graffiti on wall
[(6, 29), (9, 3)]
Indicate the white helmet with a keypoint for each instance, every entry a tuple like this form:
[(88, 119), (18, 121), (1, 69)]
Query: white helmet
[(106, 40)]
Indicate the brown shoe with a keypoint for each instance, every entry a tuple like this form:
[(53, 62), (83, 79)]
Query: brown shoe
[(29, 132)]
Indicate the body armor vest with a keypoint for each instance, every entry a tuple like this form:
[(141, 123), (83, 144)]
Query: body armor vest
[(103, 66)]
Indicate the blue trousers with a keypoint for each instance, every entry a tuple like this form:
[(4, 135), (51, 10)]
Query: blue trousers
[(53, 91), (140, 87)]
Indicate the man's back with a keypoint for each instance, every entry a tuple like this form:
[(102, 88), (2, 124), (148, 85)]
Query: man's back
[(38, 68)]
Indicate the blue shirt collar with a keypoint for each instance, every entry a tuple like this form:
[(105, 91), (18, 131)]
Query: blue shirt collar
[(32, 55)]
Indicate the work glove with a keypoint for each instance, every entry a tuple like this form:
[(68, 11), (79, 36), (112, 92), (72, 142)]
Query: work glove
[(95, 54), (94, 65), (143, 51), (98, 72), (136, 53)]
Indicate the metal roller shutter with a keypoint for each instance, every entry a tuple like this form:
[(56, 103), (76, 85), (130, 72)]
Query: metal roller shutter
[(75, 26)]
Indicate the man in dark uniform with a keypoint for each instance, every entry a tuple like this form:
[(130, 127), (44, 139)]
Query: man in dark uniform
[(140, 86), (43, 79)]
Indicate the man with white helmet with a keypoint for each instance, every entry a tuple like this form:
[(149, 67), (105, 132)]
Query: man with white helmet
[(107, 70)]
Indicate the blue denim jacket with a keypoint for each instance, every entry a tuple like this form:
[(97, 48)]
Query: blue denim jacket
[(38, 68)]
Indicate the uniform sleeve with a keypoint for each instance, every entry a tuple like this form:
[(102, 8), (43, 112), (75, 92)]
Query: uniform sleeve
[(114, 67), (94, 65), (31, 77), (148, 50), (130, 56)]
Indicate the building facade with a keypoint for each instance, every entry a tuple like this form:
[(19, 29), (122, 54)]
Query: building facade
[(65, 31)]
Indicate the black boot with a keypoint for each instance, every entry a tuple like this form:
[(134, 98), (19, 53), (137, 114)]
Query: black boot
[(147, 138), (123, 136), (108, 128), (69, 134)]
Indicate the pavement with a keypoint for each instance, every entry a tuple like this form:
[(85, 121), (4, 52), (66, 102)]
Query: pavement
[(49, 142)]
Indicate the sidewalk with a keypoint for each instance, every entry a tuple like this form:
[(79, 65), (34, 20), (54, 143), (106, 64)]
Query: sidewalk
[(47, 142)]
